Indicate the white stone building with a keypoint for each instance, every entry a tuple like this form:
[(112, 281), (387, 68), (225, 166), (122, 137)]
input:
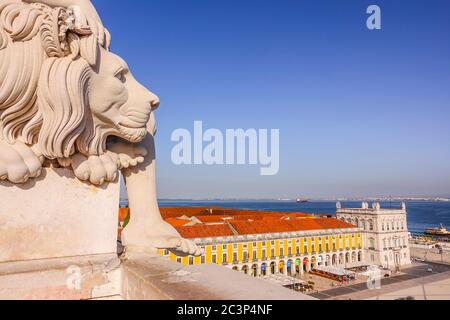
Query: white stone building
[(385, 233)]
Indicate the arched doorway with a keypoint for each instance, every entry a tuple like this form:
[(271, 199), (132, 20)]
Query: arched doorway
[(353, 257), (327, 260), (341, 258), (290, 267), (359, 256), (298, 265), (306, 265), (273, 267), (347, 257), (313, 263), (255, 270), (245, 269), (319, 260), (334, 260), (264, 269), (281, 267)]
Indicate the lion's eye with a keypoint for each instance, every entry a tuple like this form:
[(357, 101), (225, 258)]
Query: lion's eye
[(121, 76)]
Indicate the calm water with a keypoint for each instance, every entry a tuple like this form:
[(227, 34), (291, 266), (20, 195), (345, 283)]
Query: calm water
[(421, 214)]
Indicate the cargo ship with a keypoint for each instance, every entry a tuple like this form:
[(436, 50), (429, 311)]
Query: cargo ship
[(439, 232)]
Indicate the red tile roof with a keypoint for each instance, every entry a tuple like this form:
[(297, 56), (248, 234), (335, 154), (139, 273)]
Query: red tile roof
[(205, 231), (244, 222), (274, 225), (177, 222), (123, 213), (216, 211)]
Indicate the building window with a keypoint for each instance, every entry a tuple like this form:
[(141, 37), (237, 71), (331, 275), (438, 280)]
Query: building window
[(370, 225), (264, 254), (224, 258), (334, 246), (272, 252), (272, 242), (235, 257), (224, 247), (305, 249), (214, 258), (328, 247), (372, 243), (235, 246), (179, 260), (388, 228), (393, 228), (191, 260), (320, 247), (313, 249), (254, 255), (382, 226), (166, 252), (254, 244), (281, 252), (245, 255), (214, 248), (203, 259), (297, 250), (290, 251)]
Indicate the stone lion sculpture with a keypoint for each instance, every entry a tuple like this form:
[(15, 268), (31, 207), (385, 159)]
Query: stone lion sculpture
[(67, 101)]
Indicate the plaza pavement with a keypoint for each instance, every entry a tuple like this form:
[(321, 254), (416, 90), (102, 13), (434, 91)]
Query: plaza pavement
[(415, 281)]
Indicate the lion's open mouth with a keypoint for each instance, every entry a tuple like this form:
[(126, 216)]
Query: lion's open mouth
[(133, 135)]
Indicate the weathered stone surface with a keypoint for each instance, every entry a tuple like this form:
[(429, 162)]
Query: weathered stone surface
[(77, 278), (57, 216), (160, 279)]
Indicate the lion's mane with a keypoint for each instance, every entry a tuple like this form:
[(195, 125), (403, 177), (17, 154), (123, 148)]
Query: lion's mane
[(45, 67)]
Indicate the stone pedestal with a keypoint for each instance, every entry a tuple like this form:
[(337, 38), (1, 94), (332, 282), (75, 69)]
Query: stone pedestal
[(57, 216), (58, 239)]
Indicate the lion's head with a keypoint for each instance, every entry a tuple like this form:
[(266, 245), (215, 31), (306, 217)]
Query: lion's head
[(60, 90)]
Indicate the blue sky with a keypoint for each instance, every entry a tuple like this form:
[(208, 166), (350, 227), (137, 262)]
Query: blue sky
[(360, 113)]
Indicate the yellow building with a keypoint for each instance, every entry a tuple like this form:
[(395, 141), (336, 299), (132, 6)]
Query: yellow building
[(260, 244)]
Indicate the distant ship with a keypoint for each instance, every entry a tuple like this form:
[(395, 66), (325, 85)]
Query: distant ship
[(441, 231), (302, 201)]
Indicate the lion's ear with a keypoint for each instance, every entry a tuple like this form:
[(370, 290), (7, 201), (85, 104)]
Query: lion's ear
[(89, 49), (63, 104)]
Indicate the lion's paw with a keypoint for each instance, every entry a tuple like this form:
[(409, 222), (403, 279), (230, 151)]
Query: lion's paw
[(105, 168), (129, 155), (18, 162), (188, 247), (96, 169)]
